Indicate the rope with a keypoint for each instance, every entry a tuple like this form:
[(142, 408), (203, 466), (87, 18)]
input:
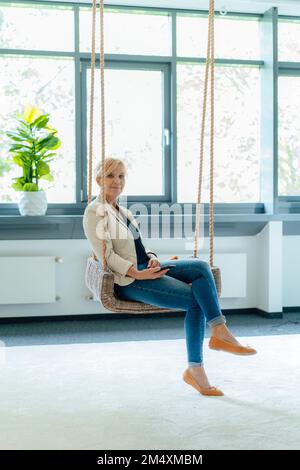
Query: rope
[(92, 103), (104, 262), (102, 111), (212, 142), (209, 65)]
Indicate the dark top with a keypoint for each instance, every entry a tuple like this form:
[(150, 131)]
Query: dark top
[(141, 254)]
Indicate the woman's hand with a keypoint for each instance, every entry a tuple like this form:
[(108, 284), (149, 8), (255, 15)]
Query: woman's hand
[(151, 273), (153, 262)]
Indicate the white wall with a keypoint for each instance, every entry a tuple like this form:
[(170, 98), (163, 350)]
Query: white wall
[(291, 271), (264, 278)]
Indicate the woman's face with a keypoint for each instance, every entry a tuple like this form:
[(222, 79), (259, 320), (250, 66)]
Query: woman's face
[(114, 182)]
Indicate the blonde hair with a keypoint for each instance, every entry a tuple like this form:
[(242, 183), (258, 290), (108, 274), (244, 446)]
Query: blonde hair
[(110, 164)]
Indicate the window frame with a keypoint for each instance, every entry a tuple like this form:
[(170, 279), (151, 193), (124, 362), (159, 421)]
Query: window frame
[(289, 204), (113, 62)]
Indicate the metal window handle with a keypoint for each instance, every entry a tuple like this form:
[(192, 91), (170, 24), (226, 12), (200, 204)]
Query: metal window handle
[(167, 136)]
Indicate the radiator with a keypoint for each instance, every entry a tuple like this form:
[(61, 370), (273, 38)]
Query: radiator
[(27, 279), (233, 268)]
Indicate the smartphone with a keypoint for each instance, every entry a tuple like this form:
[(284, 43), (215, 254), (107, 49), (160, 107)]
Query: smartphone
[(167, 266)]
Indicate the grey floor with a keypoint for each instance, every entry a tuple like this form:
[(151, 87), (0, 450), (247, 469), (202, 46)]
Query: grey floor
[(137, 328)]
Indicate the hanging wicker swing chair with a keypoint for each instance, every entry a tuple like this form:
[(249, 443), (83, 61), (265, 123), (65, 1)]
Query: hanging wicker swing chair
[(98, 277)]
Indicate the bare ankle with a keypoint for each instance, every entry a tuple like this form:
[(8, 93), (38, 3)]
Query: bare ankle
[(196, 367), (218, 329)]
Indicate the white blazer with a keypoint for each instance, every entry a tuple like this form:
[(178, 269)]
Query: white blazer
[(100, 221)]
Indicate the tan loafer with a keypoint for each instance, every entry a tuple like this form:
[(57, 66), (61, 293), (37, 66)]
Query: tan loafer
[(211, 391), (222, 345)]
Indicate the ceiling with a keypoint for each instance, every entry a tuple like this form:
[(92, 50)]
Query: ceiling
[(286, 7)]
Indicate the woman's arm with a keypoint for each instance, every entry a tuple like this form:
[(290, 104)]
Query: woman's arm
[(132, 272), (95, 230)]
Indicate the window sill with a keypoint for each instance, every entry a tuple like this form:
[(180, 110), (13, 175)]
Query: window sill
[(70, 226)]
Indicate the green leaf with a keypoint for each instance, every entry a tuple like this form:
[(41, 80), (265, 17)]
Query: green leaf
[(30, 187), (28, 156), (17, 186), (16, 139), (19, 183), (42, 168), (42, 142), (14, 147), (18, 147), (15, 136), (49, 155), (41, 121), (20, 179), (48, 177), (43, 153), (25, 134), (24, 124), (57, 145), (19, 160), (49, 142)]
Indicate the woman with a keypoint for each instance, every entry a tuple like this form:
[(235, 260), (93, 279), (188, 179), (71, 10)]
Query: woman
[(189, 285)]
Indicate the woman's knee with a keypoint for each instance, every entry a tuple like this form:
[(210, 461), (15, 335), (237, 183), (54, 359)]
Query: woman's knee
[(202, 266)]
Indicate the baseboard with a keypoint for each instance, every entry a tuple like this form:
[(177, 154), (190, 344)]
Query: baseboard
[(291, 309), (115, 316), (263, 313)]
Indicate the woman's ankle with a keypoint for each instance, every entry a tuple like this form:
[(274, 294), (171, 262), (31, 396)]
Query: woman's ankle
[(195, 366), (219, 329), (223, 333)]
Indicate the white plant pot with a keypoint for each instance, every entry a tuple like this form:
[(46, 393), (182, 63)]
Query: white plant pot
[(32, 203)]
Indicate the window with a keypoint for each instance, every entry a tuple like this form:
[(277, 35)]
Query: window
[(40, 27), (129, 32), (237, 111), (242, 37), (289, 136), (47, 83), (136, 116), (288, 40)]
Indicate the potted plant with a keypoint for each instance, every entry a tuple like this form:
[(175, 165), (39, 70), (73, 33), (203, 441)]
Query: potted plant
[(32, 149)]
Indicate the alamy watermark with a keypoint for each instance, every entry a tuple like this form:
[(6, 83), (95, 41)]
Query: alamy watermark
[(155, 220)]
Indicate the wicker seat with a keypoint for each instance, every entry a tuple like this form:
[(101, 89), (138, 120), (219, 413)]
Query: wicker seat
[(101, 284)]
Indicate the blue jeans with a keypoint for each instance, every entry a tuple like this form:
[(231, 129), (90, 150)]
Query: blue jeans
[(199, 300)]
